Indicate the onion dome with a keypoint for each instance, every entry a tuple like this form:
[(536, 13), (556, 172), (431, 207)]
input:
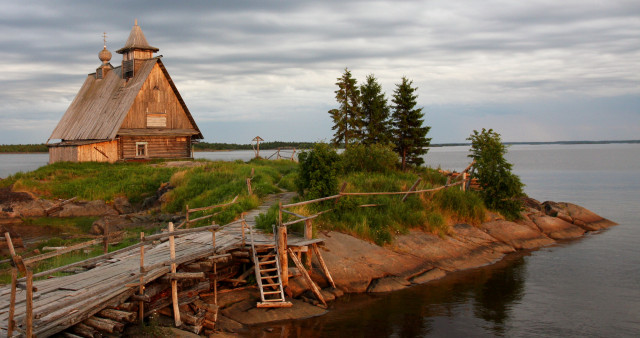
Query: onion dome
[(104, 55)]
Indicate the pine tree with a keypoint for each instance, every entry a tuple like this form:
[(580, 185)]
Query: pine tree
[(347, 119), (375, 113), (409, 136)]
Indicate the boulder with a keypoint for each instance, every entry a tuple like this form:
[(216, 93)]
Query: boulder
[(116, 223), (428, 276), (227, 324), (585, 218), (297, 286), (516, 235), (388, 284), (32, 208), (557, 228), (122, 205), (247, 313), (467, 247), (354, 263), (87, 209)]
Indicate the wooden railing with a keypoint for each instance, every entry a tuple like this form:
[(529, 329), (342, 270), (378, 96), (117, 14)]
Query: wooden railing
[(281, 232), (281, 152), (25, 266)]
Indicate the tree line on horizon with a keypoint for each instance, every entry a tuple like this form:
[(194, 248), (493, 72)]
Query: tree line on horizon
[(365, 116)]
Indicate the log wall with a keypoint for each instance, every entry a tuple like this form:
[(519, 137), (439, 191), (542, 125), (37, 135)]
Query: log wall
[(157, 146), (157, 97), (63, 154), (98, 152), (94, 152)]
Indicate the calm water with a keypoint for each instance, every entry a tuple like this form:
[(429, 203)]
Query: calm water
[(587, 287)]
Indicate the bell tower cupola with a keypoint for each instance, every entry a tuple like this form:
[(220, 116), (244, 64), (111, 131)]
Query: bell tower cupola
[(105, 57), (135, 50)]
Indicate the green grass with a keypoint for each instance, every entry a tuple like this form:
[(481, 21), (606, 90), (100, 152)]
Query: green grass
[(92, 180), (432, 212)]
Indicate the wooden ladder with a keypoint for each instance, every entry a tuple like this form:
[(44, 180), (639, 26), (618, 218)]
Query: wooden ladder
[(267, 269)]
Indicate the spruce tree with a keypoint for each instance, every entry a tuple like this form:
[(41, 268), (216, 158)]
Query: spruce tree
[(375, 113), (409, 136), (347, 119)]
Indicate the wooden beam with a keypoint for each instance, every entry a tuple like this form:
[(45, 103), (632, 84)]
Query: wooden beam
[(412, 188), (185, 275), (314, 288), (174, 283), (323, 265)]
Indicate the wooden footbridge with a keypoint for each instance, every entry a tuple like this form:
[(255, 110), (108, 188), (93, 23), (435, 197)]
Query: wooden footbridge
[(45, 307)]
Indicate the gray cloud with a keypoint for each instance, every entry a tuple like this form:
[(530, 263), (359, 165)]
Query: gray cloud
[(269, 65)]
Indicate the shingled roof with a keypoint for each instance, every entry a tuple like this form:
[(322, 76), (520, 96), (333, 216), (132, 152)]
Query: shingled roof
[(101, 105), (136, 40)]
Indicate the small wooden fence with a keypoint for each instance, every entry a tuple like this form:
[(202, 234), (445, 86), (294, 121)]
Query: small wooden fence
[(284, 153), (25, 267), (281, 232)]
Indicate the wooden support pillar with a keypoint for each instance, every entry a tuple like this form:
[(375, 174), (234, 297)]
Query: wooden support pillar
[(323, 265), (464, 181), (215, 283), (174, 283), (29, 303), (141, 286), (12, 302), (186, 221), (308, 234), (282, 255), (105, 244)]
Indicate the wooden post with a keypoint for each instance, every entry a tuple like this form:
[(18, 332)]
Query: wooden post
[(105, 244), (308, 234), (464, 181), (249, 186), (243, 224), (186, 222), (174, 283), (29, 303), (215, 283), (12, 301), (213, 238), (282, 255), (323, 265), (141, 286), (342, 188), (413, 187)]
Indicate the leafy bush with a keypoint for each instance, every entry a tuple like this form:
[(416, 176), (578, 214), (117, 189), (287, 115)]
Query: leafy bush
[(500, 187), (371, 158), (318, 172)]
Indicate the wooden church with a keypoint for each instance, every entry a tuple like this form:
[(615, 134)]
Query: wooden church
[(130, 112)]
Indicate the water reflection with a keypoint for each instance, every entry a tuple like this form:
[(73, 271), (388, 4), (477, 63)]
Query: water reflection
[(458, 304)]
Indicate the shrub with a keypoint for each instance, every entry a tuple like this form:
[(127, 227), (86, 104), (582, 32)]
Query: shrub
[(371, 158), (500, 187), (464, 206), (318, 171)]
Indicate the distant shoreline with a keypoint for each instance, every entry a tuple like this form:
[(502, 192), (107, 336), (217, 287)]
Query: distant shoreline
[(304, 145)]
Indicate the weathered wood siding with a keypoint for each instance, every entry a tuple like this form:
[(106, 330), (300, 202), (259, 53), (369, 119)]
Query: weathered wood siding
[(94, 152), (156, 97), (63, 154), (157, 146), (98, 152)]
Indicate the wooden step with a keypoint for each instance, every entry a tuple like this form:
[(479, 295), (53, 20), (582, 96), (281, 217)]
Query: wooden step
[(270, 292), (269, 270), (272, 277), (268, 262), (270, 285)]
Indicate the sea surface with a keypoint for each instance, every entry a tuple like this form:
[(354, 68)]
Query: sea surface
[(588, 287)]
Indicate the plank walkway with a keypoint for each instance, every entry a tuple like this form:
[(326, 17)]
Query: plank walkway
[(61, 302)]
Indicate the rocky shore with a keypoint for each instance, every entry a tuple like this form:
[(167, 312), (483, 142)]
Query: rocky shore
[(357, 266)]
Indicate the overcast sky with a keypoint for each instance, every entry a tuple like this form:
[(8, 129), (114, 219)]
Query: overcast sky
[(532, 70)]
